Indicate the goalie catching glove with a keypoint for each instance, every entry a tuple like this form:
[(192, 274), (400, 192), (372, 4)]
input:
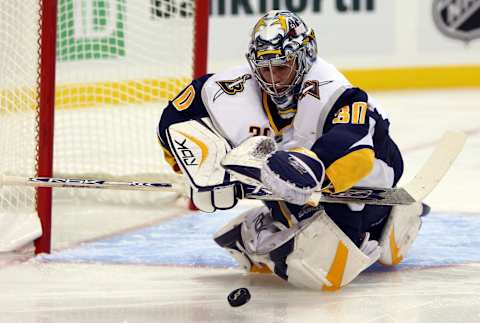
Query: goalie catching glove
[(198, 150), (291, 175)]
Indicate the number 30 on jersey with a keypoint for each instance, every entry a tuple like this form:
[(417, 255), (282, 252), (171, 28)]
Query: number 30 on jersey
[(354, 114)]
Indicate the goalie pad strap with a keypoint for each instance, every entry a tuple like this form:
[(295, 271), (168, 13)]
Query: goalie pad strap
[(217, 198)]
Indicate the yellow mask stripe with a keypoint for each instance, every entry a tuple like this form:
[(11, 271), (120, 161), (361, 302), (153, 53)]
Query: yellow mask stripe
[(270, 51), (283, 22), (350, 169), (260, 23)]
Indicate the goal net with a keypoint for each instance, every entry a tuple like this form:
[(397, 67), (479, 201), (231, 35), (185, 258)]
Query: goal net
[(117, 64)]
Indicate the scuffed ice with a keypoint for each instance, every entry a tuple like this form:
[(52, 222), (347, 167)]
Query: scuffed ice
[(444, 239)]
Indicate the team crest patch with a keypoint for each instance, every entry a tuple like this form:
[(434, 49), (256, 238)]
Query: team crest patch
[(312, 87), (457, 19), (232, 87)]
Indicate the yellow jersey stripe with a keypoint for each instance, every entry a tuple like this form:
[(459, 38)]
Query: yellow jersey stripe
[(351, 168), (267, 108)]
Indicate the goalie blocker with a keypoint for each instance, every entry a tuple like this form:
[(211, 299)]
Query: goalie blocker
[(198, 150)]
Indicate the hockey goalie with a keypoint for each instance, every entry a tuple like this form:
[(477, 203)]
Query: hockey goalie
[(290, 123)]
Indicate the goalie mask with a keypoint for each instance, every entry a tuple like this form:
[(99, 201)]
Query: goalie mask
[(281, 51)]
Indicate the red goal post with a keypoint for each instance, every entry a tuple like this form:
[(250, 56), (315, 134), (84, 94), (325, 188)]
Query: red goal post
[(103, 71)]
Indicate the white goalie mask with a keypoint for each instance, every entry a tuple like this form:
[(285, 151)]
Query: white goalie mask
[(282, 50)]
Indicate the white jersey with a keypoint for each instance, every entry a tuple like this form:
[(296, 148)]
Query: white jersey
[(236, 105), (339, 122)]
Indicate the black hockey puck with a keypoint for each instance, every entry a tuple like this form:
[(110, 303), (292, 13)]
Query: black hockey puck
[(238, 297)]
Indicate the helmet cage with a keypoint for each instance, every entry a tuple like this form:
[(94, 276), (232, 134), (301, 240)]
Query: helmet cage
[(273, 88)]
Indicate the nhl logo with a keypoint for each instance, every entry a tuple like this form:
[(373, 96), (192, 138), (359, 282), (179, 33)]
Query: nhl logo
[(459, 19)]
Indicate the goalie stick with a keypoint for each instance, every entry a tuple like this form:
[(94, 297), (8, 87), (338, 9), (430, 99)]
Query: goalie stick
[(417, 189), (432, 172)]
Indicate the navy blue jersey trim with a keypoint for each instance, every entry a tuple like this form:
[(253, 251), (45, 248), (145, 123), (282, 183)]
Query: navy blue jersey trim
[(170, 115)]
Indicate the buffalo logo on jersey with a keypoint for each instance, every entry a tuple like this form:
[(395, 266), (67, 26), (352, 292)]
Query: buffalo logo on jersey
[(312, 87), (458, 19), (232, 87)]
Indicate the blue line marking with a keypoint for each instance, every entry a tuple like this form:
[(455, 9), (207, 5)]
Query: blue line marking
[(444, 239)]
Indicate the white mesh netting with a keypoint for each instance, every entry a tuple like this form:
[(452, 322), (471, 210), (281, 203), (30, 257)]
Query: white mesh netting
[(118, 62)]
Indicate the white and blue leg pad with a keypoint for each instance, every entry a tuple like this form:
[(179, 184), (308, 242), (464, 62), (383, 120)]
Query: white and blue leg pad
[(399, 233), (323, 257), (293, 175), (231, 238)]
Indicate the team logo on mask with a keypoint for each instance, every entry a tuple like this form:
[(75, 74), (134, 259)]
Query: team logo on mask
[(232, 87), (457, 19)]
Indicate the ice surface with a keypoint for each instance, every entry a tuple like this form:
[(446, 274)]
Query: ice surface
[(445, 239), (155, 267)]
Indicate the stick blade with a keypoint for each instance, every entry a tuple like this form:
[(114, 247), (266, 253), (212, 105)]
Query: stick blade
[(438, 164)]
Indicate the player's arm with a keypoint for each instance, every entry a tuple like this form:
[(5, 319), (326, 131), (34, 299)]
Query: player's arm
[(193, 147), (346, 146), (341, 157), (292, 175), (187, 105)]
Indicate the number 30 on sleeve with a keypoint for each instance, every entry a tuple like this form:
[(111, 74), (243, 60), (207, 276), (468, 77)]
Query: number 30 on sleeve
[(354, 114)]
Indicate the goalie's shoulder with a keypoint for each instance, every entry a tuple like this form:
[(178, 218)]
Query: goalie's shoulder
[(322, 86), (330, 79), (236, 82), (189, 97), (186, 105)]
